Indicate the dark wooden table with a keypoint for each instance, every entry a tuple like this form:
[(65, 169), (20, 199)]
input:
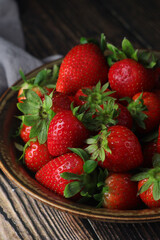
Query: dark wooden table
[(52, 27)]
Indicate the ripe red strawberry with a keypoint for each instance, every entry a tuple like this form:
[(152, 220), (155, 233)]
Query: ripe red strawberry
[(36, 155), (65, 131), (149, 184), (60, 102), (128, 77), (145, 110), (116, 148), (24, 133), (158, 141), (121, 193), (147, 196), (130, 72), (49, 175), (70, 174), (84, 65)]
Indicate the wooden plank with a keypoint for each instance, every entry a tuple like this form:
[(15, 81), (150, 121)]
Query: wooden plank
[(140, 18), (114, 231), (22, 217), (48, 33)]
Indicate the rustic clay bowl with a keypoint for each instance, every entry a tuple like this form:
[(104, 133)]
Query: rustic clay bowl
[(16, 172)]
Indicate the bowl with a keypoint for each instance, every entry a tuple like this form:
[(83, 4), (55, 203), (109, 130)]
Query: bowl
[(17, 173)]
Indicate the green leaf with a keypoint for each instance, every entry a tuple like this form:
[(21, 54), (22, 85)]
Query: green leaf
[(16, 88), (127, 47), (81, 153), (117, 54), (102, 154), (89, 166), (19, 147), (55, 73), (28, 107), (134, 56), (140, 176), (47, 103), (29, 120), (128, 99), (103, 43), (72, 189), (156, 160), (92, 140), (36, 128), (156, 190), (145, 186), (71, 176), (83, 40), (33, 97), (22, 75), (85, 194), (42, 136), (40, 77), (102, 175)]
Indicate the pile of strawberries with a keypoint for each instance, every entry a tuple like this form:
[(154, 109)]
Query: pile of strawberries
[(91, 126)]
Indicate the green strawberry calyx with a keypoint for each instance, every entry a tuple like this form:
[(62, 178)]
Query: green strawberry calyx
[(137, 110), (153, 178), (98, 145), (44, 78), (99, 108), (90, 184), (86, 182), (146, 58), (37, 114), (101, 44), (96, 96)]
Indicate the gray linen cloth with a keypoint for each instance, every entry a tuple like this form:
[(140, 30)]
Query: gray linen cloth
[(12, 53)]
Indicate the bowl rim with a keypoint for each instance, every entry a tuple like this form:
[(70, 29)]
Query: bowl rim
[(119, 216)]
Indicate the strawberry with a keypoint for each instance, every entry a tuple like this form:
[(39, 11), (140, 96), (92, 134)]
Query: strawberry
[(25, 132), (60, 102), (116, 148), (84, 65), (65, 131), (120, 192), (36, 155), (127, 70), (70, 174), (42, 83), (149, 184), (37, 114), (145, 110), (132, 76)]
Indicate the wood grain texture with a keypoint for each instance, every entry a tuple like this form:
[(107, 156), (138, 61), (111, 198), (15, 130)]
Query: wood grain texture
[(22, 217), (52, 27)]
